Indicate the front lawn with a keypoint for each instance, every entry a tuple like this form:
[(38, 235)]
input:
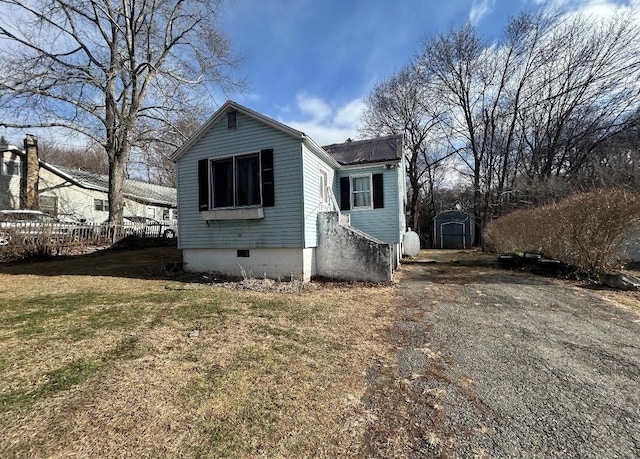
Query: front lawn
[(108, 355)]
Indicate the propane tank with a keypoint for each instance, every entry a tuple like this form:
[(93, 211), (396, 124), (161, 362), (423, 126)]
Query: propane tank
[(411, 243)]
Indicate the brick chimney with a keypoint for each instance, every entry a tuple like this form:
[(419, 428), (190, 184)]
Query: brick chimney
[(30, 175)]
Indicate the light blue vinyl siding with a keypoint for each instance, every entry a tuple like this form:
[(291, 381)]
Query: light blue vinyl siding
[(383, 224), (312, 201), (282, 224)]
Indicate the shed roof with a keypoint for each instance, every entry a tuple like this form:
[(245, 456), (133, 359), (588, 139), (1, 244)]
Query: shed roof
[(375, 150)]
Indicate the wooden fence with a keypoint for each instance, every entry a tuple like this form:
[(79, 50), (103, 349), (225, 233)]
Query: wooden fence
[(17, 237)]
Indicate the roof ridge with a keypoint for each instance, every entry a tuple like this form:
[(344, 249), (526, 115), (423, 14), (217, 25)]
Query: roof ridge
[(360, 141)]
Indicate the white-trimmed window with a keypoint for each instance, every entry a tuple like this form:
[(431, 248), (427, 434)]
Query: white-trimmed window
[(49, 204), (10, 167), (362, 191), (101, 205)]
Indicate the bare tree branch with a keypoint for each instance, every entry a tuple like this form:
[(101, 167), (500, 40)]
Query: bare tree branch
[(103, 68)]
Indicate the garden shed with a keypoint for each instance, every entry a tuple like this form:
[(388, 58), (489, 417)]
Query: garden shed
[(452, 229)]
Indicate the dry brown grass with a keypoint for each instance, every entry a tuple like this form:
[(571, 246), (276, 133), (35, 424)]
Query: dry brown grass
[(266, 375)]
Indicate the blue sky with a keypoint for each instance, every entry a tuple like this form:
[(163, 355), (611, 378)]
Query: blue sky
[(310, 63)]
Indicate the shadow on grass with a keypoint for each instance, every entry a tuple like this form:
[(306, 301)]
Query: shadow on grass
[(145, 263), (446, 273)]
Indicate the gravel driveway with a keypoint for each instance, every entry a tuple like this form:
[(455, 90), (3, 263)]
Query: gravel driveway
[(495, 363)]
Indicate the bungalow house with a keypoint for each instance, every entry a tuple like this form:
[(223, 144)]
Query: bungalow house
[(72, 194), (260, 198)]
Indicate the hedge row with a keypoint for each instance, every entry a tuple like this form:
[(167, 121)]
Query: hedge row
[(591, 231)]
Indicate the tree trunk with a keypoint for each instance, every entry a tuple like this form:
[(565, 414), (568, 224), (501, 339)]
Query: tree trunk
[(117, 168), (477, 204)]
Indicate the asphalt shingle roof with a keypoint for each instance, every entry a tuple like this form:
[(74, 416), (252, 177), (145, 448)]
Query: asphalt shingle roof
[(133, 189), (367, 151)]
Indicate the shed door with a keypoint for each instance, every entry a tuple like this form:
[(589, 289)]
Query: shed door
[(452, 235)]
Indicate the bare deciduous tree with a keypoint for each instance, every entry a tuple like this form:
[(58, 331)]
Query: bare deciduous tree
[(536, 107), (586, 90), (109, 70), (91, 158), (400, 105), (152, 160)]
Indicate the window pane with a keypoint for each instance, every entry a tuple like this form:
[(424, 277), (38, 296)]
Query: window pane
[(248, 180), (361, 191), (49, 204), (360, 183), (11, 168), (324, 198), (362, 199), (223, 183)]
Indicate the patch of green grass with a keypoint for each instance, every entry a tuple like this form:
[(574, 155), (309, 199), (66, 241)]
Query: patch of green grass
[(57, 380), (261, 304), (219, 438), (117, 317), (267, 308), (213, 307), (252, 411), (277, 332), (191, 357), (30, 316), (125, 349), (73, 333), (215, 374), (156, 321), (166, 296), (77, 316), (68, 376)]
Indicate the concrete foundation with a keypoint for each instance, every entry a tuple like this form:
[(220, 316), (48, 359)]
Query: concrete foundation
[(343, 253), (283, 264)]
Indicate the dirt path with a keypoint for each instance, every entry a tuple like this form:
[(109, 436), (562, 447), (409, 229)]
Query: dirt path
[(493, 363)]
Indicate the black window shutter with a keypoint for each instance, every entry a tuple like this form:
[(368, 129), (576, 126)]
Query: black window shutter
[(345, 193), (268, 189), (203, 184), (378, 194)]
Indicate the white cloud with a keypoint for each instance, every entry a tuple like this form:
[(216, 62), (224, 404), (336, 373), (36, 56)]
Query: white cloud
[(324, 122), (590, 7), (313, 106), (479, 9), (350, 114), (596, 9)]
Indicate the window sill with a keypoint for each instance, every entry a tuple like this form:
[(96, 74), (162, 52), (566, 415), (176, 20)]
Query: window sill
[(249, 213)]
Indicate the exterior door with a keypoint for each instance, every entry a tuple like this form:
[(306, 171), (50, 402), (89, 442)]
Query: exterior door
[(452, 235)]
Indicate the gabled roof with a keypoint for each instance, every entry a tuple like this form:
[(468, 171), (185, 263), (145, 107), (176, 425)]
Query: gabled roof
[(136, 190), (230, 105), (353, 152)]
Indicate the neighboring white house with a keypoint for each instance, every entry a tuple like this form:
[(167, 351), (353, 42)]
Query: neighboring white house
[(72, 194), (257, 197)]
